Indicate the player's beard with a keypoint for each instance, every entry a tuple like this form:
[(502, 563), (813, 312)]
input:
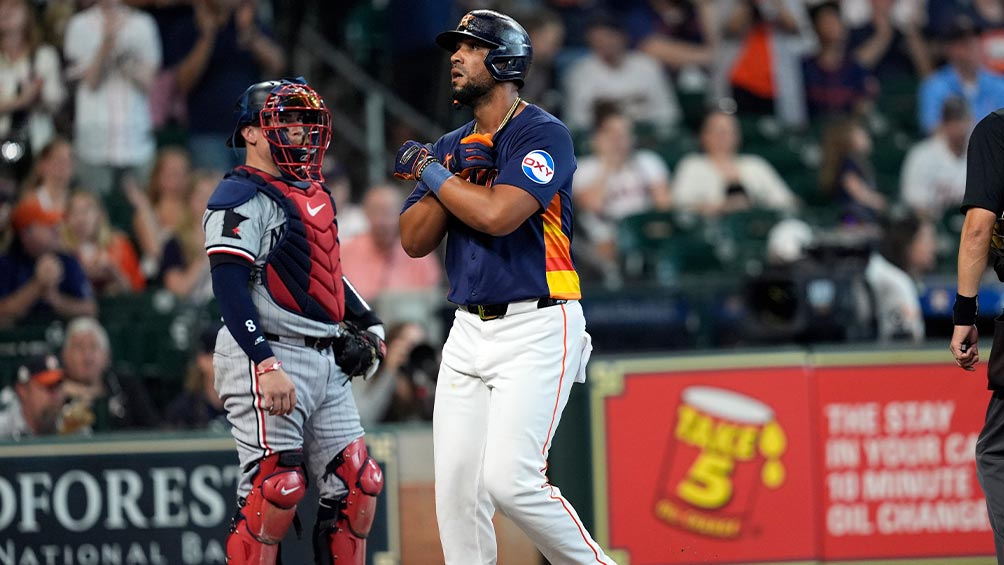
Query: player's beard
[(472, 92)]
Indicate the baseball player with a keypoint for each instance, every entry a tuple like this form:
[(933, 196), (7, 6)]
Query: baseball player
[(499, 189), (293, 333)]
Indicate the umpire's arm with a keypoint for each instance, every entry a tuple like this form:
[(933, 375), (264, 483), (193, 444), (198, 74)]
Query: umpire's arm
[(973, 247), (983, 200)]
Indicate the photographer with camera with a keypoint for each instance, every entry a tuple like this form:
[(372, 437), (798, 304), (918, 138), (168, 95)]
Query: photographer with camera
[(843, 285), (404, 386)]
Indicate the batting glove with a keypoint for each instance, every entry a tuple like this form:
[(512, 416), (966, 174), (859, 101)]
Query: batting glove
[(412, 159), (474, 152)]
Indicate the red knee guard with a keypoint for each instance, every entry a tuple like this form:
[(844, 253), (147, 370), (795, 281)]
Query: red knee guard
[(266, 514), (342, 526)]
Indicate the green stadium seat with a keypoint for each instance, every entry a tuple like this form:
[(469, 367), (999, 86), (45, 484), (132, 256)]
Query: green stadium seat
[(151, 334), (745, 234), (949, 233), (821, 216), (897, 103), (805, 184), (662, 247), (694, 107)]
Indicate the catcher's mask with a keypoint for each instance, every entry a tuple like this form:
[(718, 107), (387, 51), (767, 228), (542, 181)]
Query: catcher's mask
[(294, 121)]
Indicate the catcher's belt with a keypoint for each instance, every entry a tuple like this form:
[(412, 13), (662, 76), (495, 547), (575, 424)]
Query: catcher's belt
[(318, 343)]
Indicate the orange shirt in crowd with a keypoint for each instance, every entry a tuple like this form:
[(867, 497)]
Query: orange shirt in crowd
[(373, 271)]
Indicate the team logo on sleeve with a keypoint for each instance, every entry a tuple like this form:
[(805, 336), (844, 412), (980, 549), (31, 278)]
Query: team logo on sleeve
[(232, 224), (538, 166)]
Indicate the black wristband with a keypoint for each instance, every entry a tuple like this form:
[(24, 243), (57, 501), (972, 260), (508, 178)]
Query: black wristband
[(965, 310), (421, 168)]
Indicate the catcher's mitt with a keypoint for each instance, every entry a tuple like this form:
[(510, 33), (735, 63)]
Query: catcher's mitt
[(358, 351)]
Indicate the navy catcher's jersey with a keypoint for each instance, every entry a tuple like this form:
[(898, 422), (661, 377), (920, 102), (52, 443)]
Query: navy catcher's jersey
[(533, 152)]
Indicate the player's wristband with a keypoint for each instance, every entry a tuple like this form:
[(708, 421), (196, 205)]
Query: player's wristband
[(965, 310), (433, 174), (259, 371)]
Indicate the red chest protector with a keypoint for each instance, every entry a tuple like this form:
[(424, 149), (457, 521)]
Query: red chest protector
[(303, 272)]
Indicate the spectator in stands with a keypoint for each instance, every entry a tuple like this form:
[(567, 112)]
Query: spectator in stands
[(36, 279), (199, 406), (52, 177), (613, 72), (31, 84), (889, 41), (351, 217), (404, 386), (375, 261), (964, 75), (758, 62), (906, 251), (616, 181), (547, 34), (911, 243), (55, 15), (105, 252), (678, 33), (788, 242), (113, 53), (158, 211), (720, 180), (98, 399), (835, 81), (229, 48), (989, 18), (933, 176), (184, 267), (846, 174), (32, 406)]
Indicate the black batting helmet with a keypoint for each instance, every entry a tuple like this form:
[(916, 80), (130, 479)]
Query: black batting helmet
[(511, 53)]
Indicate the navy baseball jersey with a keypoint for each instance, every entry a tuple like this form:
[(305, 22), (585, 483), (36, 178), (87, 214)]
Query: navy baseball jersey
[(533, 152)]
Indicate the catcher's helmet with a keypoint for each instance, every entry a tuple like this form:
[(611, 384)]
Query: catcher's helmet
[(248, 108), (294, 121), (511, 53)]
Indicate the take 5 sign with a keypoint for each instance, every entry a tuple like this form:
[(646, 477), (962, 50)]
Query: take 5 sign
[(773, 458), (704, 466)]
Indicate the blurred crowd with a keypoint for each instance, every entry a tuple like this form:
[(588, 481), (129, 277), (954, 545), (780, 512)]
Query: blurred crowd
[(754, 139)]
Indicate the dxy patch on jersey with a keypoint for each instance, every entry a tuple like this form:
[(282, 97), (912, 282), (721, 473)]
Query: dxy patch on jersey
[(538, 166)]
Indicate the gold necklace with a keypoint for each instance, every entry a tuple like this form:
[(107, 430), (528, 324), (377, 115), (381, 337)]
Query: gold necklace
[(505, 120)]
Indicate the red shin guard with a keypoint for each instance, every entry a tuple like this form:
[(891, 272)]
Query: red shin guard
[(268, 511), (342, 526)]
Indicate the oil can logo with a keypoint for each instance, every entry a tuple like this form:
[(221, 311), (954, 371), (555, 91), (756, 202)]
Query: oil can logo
[(724, 446)]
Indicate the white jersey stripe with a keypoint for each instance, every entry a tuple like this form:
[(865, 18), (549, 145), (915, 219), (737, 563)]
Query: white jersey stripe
[(230, 250)]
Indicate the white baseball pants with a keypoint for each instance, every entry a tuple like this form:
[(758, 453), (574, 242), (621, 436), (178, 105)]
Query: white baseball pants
[(502, 387)]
